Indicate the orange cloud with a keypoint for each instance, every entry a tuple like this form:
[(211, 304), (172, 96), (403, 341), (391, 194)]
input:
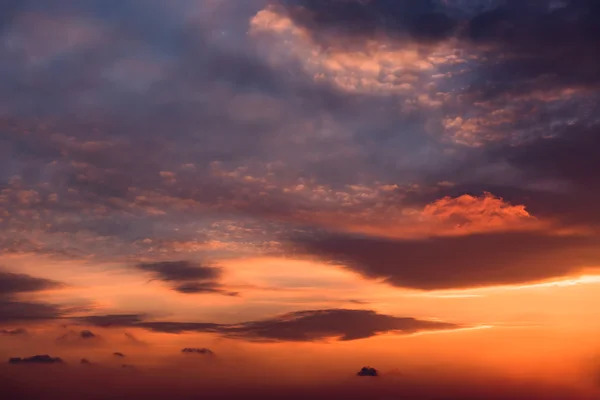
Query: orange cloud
[(448, 216)]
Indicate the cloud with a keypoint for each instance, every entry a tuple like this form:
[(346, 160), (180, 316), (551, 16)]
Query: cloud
[(301, 326), (85, 334), (12, 283), (83, 337), (118, 354), (85, 361), (109, 320), (38, 359), (367, 371), (188, 277), (456, 262), (402, 19), (196, 350), (306, 326), (13, 309), (180, 271)]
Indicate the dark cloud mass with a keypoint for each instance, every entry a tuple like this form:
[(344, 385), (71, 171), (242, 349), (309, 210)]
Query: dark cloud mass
[(422, 20), (457, 262)]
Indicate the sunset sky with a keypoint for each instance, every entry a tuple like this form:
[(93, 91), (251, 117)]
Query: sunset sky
[(295, 189)]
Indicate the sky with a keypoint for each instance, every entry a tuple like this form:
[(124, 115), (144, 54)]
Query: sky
[(291, 190)]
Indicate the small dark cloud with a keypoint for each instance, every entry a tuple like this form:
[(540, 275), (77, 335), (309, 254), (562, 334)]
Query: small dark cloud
[(187, 277), (13, 332), (38, 359), (75, 337), (367, 371), (11, 283), (195, 350), (118, 354), (85, 361), (85, 334)]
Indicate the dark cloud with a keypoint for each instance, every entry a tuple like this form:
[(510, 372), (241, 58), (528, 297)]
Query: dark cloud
[(85, 334), (526, 40), (13, 332), (84, 337), (531, 39), (188, 277), (458, 262), (118, 354), (367, 371), (117, 320), (12, 283), (180, 271), (196, 350), (38, 359), (12, 311), (85, 361), (423, 20), (180, 327), (303, 326)]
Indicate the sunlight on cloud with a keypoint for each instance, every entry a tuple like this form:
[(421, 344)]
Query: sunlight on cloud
[(380, 67)]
